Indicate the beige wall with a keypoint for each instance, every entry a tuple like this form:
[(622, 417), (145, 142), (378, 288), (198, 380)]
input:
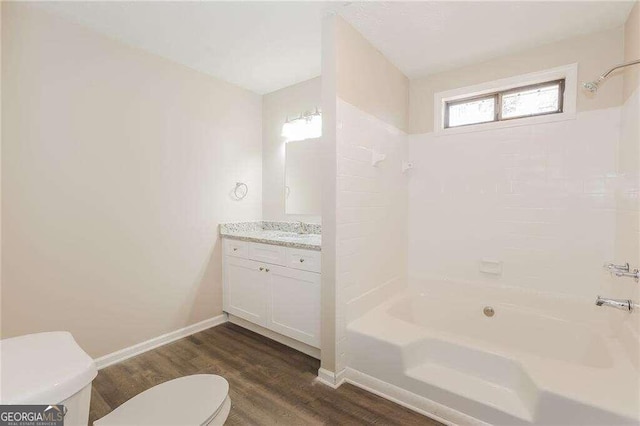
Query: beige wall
[(367, 80), (276, 106), (632, 51), (594, 53), (116, 170)]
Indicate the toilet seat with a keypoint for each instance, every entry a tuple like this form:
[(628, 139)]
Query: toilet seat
[(197, 400)]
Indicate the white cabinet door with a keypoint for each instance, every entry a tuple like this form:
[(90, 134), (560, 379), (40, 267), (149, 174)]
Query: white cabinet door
[(245, 289), (294, 304)]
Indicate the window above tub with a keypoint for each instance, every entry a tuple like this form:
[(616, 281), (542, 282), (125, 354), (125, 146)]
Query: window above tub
[(527, 99)]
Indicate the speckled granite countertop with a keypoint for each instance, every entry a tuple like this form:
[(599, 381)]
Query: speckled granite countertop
[(279, 233)]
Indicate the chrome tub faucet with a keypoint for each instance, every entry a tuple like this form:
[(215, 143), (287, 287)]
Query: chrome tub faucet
[(624, 304), (623, 270)]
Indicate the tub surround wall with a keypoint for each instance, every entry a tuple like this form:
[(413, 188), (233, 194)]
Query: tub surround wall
[(536, 203), (627, 239), (117, 167), (541, 203), (372, 210), (276, 107)]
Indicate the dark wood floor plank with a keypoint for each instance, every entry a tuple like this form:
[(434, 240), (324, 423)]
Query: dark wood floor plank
[(270, 384)]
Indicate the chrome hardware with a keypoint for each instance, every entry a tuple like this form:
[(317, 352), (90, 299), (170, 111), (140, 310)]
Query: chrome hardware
[(592, 86), (489, 311), (612, 267), (635, 274), (623, 271), (261, 268), (301, 260), (240, 191), (303, 228), (624, 304)]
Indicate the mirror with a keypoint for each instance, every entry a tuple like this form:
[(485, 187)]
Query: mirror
[(303, 176)]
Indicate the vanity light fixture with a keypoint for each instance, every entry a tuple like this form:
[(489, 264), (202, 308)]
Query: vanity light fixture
[(307, 126)]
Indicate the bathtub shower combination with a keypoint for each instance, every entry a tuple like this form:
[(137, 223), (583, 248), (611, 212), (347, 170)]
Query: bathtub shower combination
[(502, 363), (514, 339)]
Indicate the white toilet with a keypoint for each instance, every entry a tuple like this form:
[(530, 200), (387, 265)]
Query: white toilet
[(50, 368)]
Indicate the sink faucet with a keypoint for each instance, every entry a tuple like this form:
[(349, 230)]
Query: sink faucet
[(303, 228), (624, 304)]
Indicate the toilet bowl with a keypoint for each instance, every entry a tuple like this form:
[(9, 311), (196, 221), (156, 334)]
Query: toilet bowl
[(50, 368)]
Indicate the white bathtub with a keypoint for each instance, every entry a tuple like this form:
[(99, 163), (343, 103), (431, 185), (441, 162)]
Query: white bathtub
[(542, 360)]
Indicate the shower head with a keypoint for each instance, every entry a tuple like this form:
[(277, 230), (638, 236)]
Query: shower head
[(591, 86)]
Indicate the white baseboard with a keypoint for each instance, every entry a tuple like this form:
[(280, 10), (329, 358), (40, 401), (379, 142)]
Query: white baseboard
[(410, 400), (331, 379), (131, 351)]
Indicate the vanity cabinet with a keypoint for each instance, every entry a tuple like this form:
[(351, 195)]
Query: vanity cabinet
[(275, 287)]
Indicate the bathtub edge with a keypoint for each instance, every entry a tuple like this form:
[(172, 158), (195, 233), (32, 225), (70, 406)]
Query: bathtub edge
[(410, 400)]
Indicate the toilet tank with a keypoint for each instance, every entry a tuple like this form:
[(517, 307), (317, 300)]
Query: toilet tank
[(47, 368)]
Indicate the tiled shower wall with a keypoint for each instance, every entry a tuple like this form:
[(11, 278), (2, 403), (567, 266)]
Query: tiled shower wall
[(538, 199), (627, 238), (628, 198), (371, 215)]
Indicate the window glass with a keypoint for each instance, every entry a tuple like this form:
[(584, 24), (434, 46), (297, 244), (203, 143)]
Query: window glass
[(538, 100), (524, 101), (471, 112)]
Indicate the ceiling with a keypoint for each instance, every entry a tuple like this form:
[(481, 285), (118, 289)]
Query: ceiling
[(264, 46), (426, 37), (261, 46)]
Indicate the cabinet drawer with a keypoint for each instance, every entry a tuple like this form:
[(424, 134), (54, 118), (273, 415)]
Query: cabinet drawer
[(236, 248), (267, 253), (306, 260)]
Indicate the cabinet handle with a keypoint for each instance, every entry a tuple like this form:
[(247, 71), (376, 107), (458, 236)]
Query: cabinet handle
[(261, 268), (267, 269), (301, 260)]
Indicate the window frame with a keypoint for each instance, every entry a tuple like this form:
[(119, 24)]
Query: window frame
[(567, 72), (497, 103)]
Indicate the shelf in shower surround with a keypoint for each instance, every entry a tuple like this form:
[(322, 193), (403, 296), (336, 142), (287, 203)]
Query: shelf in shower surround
[(286, 234)]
